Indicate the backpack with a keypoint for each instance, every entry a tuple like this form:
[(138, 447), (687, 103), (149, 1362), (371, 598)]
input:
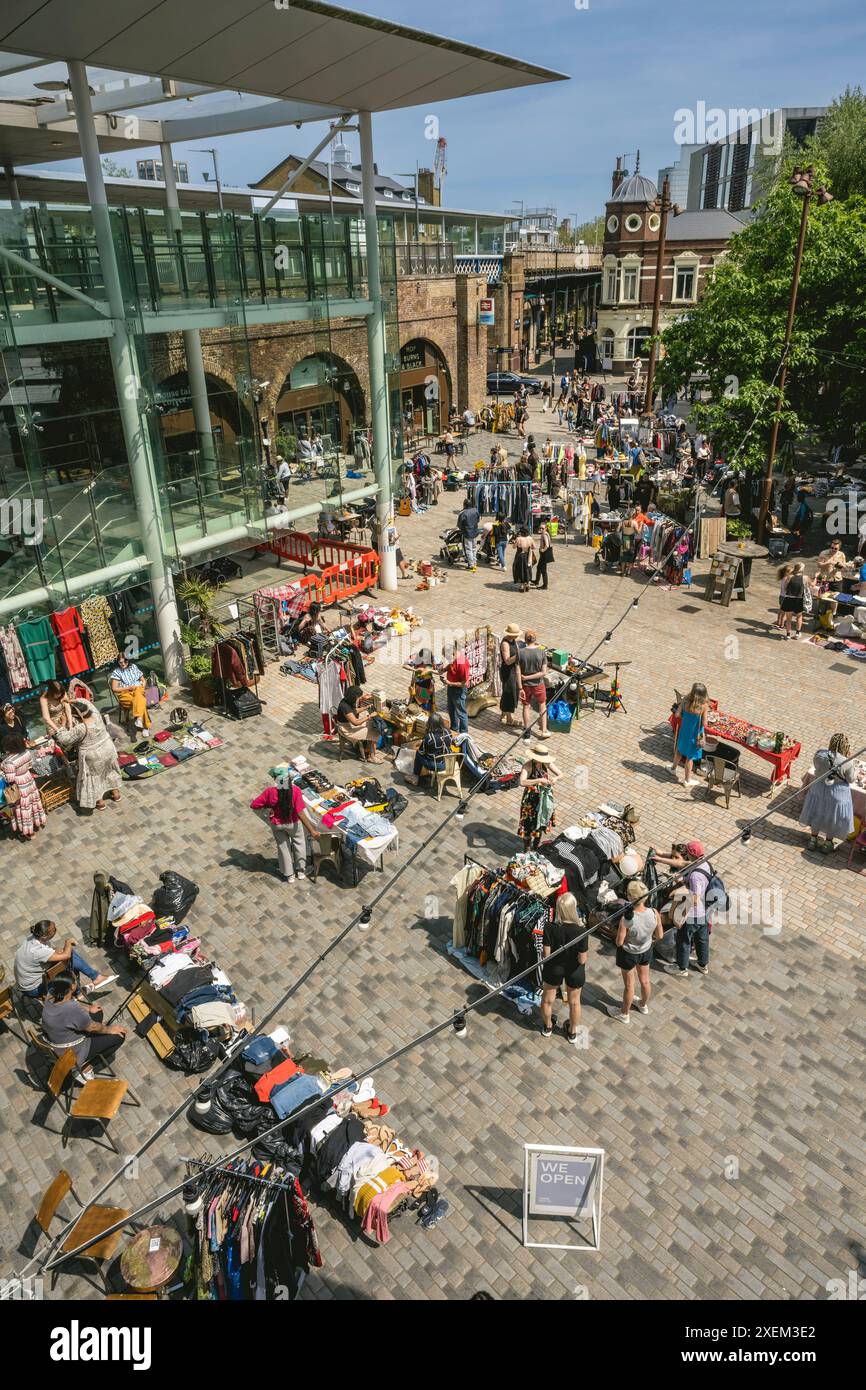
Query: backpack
[(716, 899)]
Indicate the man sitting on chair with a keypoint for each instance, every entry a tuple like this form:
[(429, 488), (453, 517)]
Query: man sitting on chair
[(127, 683)]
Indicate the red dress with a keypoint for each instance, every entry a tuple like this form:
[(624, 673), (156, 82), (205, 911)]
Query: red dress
[(69, 628)]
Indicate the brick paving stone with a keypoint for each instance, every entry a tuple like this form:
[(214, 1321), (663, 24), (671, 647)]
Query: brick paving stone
[(759, 1062)]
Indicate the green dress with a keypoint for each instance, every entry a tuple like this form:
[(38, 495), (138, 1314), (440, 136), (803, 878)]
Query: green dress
[(38, 643)]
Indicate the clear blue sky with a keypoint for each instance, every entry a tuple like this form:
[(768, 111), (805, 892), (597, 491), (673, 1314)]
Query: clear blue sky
[(632, 64)]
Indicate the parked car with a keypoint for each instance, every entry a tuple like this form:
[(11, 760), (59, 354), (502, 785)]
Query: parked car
[(506, 383)]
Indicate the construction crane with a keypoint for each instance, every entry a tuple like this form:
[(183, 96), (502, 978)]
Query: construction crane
[(440, 165)]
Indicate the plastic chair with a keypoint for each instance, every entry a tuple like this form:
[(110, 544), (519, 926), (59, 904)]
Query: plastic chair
[(449, 773), (89, 1224), (722, 775)]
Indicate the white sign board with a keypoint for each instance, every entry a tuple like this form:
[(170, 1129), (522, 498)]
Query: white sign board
[(486, 314), (565, 1182)]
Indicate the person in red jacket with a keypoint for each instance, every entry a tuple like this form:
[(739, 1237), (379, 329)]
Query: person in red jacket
[(287, 817)]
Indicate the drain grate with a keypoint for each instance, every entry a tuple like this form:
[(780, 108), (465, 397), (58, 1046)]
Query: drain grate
[(843, 670), (689, 608)]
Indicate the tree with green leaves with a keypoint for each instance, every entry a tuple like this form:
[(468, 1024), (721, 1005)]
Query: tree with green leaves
[(735, 336)]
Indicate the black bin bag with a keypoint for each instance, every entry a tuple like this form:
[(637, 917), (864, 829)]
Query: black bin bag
[(175, 896)]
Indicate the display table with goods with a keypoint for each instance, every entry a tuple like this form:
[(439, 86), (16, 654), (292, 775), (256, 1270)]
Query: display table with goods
[(360, 814), (342, 1147), (152, 755), (778, 749), (577, 681), (746, 551)]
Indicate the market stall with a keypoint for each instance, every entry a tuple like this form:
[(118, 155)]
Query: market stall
[(778, 749), (359, 814)]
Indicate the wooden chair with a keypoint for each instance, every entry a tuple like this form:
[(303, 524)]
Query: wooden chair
[(44, 1051), (347, 745), (723, 776), (9, 1009), (99, 1099), (450, 773), (88, 1225)]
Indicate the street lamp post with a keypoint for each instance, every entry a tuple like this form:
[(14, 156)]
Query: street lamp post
[(216, 173), (801, 182), (663, 206)]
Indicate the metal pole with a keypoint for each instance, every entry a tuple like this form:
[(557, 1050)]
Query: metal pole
[(14, 195), (767, 494), (376, 347), (191, 338), (128, 385), (417, 210), (657, 294)]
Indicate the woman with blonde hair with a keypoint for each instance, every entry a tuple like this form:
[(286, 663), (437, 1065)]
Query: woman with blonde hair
[(828, 809), (689, 745), (569, 968)]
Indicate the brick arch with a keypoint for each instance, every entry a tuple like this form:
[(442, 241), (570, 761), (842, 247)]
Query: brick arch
[(407, 336)]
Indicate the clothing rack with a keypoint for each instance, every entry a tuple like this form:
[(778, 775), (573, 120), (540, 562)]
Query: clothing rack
[(236, 1173)]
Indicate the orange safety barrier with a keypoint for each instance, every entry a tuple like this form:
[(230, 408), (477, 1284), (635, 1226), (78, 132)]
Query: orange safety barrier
[(293, 545), (347, 568)]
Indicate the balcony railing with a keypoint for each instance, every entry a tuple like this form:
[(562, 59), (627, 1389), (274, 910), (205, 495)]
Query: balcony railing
[(425, 258), (195, 260)]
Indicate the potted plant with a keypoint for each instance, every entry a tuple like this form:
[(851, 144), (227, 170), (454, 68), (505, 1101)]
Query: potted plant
[(198, 668)]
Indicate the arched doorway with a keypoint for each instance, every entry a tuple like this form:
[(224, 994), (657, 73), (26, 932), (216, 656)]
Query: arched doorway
[(637, 343), (230, 419), (425, 387), (321, 392), (606, 345)]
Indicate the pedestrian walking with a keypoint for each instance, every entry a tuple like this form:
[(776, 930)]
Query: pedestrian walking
[(287, 817), (545, 556), (508, 699), (828, 809), (566, 930), (500, 539), (689, 746), (468, 523), (639, 926), (537, 778), (793, 600)]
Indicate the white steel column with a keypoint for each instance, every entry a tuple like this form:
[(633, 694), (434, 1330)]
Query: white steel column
[(376, 348), (128, 385), (191, 337)]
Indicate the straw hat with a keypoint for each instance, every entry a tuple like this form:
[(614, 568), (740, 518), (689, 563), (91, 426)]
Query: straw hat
[(636, 890), (540, 754), (513, 630)]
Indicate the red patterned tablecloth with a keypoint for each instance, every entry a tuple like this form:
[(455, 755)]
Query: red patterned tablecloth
[(780, 762)]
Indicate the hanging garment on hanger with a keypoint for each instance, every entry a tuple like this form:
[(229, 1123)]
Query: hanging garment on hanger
[(39, 645), (16, 666), (96, 614), (69, 628)]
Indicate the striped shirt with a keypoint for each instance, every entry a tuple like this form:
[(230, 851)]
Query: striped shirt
[(127, 675)]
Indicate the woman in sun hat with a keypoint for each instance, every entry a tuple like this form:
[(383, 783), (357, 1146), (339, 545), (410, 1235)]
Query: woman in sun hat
[(508, 649), (537, 779)]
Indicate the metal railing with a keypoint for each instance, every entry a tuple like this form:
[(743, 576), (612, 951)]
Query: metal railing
[(425, 258)]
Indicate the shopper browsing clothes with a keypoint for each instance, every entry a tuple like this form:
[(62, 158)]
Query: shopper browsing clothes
[(21, 791), (524, 559), (287, 817), (98, 773), (508, 700), (468, 522), (456, 678), (690, 912), (545, 556), (639, 926), (828, 809), (569, 968), (689, 746), (537, 778)]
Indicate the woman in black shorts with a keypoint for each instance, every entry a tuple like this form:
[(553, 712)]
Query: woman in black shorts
[(639, 926), (568, 968)]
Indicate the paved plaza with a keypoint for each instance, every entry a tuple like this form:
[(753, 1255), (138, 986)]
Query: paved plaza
[(731, 1115)]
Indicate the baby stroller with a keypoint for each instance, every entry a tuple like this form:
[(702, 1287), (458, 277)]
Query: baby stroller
[(607, 557), (452, 547)]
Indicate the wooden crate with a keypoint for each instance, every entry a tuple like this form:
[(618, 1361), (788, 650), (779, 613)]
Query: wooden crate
[(158, 1036)]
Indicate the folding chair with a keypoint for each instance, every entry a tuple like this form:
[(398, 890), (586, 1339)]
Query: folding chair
[(99, 1099), (88, 1225)]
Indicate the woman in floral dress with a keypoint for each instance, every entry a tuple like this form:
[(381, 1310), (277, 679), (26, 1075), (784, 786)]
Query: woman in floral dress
[(28, 815)]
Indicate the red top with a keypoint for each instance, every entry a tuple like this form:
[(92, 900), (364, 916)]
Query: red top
[(270, 798), (458, 671)]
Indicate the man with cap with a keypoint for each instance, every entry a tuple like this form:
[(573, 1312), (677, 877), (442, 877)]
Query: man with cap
[(639, 926), (690, 907)]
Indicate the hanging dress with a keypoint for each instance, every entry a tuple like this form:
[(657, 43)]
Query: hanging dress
[(16, 666), (70, 630), (39, 645), (96, 614)]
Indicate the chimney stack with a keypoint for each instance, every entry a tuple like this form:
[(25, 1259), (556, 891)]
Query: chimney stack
[(618, 174)]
